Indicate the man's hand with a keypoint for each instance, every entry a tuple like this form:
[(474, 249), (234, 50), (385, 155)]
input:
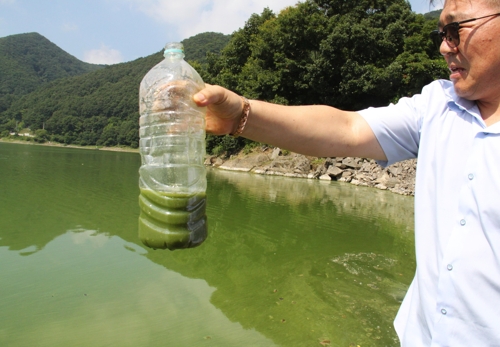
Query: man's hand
[(224, 109)]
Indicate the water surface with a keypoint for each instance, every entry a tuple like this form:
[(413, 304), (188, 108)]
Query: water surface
[(288, 262)]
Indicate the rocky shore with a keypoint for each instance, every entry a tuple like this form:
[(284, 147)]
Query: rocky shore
[(398, 178)]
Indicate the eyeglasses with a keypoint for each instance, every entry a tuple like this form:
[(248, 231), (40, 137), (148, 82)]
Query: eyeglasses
[(450, 32)]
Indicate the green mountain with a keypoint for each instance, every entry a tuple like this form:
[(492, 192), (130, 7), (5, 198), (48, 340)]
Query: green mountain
[(432, 15), (197, 47), (96, 108), (28, 61)]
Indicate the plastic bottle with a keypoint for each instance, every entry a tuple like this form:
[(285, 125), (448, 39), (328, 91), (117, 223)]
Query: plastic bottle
[(172, 147)]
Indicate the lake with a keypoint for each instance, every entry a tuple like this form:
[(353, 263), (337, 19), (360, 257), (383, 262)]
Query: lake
[(287, 262)]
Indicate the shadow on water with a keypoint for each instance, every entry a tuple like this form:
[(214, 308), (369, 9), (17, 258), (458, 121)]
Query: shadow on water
[(288, 262)]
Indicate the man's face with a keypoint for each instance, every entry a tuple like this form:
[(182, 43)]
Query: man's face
[(475, 63)]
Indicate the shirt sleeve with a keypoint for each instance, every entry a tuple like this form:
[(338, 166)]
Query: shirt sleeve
[(397, 128)]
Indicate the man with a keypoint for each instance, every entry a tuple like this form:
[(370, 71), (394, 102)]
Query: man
[(453, 128)]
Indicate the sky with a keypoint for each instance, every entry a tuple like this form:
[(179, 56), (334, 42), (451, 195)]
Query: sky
[(115, 31)]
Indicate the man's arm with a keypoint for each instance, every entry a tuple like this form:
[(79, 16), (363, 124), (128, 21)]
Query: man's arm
[(320, 131)]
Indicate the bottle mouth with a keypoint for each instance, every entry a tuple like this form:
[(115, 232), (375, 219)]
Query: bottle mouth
[(174, 50)]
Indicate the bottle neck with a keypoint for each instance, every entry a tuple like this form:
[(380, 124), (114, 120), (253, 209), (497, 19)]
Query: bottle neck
[(173, 53)]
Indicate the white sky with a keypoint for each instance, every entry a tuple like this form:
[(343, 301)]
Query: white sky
[(113, 31)]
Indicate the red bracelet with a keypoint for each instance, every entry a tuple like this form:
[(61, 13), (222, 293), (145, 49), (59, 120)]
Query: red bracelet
[(244, 118)]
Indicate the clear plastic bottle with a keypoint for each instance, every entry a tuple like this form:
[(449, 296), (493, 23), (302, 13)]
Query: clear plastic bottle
[(172, 146)]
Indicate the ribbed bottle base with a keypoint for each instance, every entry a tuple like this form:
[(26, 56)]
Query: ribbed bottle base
[(172, 221)]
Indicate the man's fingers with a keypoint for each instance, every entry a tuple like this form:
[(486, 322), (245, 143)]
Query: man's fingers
[(209, 95)]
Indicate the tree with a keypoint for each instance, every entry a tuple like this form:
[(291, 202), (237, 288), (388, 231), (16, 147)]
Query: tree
[(41, 135), (227, 68), (348, 54)]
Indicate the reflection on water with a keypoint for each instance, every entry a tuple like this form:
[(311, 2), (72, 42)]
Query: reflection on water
[(88, 289), (288, 262), (363, 202)]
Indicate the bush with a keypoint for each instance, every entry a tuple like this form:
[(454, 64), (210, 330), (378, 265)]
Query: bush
[(41, 135)]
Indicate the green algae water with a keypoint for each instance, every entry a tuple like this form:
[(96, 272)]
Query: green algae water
[(172, 220), (287, 262)]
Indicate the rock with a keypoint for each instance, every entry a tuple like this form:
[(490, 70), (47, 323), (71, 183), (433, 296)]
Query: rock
[(353, 163), (276, 153), (394, 170), (293, 163), (218, 162), (245, 163), (345, 179), (387, 180), (398, 178), (334, 172)]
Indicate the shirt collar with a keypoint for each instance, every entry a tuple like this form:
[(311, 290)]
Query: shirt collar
[(469, 106)]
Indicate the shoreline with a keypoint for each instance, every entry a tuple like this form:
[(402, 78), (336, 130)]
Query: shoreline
[(57, 144), (398, 178)]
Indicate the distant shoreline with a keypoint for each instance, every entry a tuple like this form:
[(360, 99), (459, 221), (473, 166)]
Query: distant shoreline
[(399, 178), (57, 144)]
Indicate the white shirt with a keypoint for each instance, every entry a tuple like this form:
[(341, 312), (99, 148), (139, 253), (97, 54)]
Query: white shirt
[(454, 298)]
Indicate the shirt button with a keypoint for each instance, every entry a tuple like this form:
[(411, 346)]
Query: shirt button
[(449, 267), (463, 222), (471, 177), (443, 311)]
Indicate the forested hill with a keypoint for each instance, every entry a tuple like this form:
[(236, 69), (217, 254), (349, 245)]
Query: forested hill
[(196, 47), (100, 107), (28, 61), (347, 54)]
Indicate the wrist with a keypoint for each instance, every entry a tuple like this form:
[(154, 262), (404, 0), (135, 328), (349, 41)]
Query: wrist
[(242, 119)]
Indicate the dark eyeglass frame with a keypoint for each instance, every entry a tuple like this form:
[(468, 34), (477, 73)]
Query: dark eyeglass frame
[(450, 32)]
